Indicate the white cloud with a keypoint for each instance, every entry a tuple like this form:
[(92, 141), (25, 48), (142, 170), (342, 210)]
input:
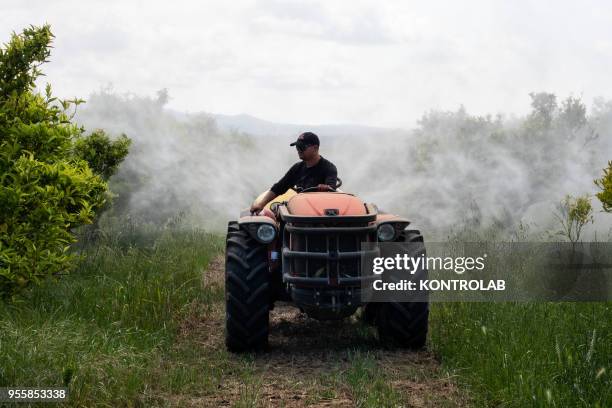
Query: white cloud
[(379, 63)]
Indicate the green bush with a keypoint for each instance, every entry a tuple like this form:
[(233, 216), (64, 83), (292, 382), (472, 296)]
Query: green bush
[(52, 177), (101, 153), (573, 214), (605, 184)]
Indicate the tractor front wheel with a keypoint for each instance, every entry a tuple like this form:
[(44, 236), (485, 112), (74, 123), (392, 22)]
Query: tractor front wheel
[(247, 292)]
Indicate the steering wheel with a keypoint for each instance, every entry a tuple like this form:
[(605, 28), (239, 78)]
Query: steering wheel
[(316, 188)]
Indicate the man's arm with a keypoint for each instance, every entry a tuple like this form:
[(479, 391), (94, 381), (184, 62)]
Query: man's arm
[(331, 177), (286, 182), (277, 189), (261, 201)]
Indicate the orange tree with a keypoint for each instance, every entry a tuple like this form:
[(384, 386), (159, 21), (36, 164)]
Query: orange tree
[(52, 175)]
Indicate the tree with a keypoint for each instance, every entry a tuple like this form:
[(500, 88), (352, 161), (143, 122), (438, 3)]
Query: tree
[(51, 175), (101, 153), (605, 184), (573, 214), (543, 109), (572, 113)]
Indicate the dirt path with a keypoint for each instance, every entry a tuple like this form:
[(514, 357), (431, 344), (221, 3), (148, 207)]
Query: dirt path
[(312, 363)]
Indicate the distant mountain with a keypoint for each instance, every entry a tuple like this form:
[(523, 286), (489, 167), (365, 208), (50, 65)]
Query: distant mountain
[(259, 127)]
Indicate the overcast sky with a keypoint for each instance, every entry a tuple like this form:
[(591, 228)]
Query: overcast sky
[(366, 62)]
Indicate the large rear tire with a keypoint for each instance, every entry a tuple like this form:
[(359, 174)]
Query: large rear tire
[(247, 292), (404, 324)]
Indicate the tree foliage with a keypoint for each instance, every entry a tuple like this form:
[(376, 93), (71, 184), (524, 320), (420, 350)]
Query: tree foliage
[(101, 153), (574, 213), (605, 184), (52, 177), (544, 106)]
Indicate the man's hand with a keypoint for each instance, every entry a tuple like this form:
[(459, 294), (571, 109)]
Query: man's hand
[(256, 207), (323, 187), (261, 201)]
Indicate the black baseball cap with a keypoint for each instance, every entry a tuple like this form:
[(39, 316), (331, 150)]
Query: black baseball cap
[(307, 138)]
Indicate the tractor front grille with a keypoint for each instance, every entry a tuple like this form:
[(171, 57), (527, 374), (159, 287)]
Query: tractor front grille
[(324, 254)]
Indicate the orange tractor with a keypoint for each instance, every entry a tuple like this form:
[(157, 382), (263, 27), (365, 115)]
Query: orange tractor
[(306, 248)]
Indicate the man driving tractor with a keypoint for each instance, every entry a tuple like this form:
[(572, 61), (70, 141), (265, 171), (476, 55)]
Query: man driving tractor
[(305, 246), (313, 171)]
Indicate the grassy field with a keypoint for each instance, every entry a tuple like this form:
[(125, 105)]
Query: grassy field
[(102, 329), (535, 354), (140, 323)]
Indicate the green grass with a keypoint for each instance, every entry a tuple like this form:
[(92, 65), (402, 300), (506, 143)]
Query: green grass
[(362, 379), (369, 385), (536, 354), (101, 329), (110, 332)]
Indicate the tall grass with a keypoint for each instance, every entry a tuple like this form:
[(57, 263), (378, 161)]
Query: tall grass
[(534, 354), (525, 354), (107, 331), (99, 329)]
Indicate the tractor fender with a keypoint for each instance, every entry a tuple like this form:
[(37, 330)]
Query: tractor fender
[(256, 219), (249, 223), (385, 218)]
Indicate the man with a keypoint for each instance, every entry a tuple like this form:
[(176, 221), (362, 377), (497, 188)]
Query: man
[(313, 171)]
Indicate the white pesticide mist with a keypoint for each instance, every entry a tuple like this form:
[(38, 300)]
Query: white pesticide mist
[(453, 171)]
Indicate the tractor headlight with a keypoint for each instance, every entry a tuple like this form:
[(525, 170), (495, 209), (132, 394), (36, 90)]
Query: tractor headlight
[(386, 232), (266, 233)]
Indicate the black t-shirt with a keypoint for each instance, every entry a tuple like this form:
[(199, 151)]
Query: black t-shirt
[(324, 172)]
